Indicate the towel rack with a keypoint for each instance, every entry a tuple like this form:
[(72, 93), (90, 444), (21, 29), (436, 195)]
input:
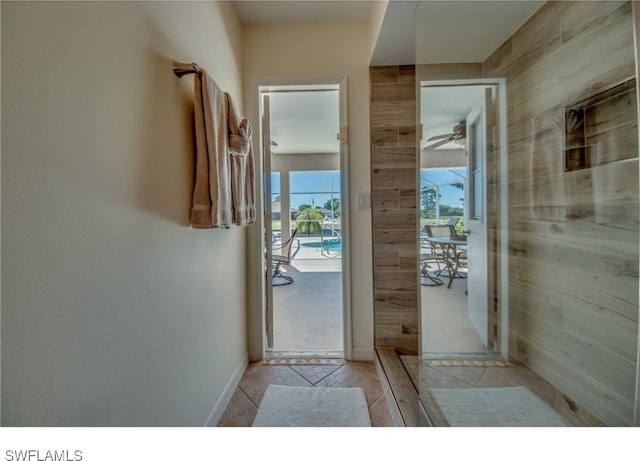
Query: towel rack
[(183, 68)]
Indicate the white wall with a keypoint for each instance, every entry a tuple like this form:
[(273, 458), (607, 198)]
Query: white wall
[(114, 311), (378, 12), (284, 53)]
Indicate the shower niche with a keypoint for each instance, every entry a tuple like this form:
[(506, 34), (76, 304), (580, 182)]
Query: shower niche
[(601, 128)]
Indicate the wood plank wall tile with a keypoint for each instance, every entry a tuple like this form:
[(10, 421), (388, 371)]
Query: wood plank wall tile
[(394, 164), (573, 236)]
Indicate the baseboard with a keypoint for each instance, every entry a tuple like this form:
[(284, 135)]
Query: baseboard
[(229, 389), (363, 353)]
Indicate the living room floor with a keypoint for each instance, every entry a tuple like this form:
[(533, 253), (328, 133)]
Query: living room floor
[(243, 406)]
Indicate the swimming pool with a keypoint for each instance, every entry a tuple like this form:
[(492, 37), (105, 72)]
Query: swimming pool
[(328, 245)]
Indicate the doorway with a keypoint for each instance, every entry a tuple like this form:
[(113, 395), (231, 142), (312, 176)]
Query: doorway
[(305, 229), (458, 120)]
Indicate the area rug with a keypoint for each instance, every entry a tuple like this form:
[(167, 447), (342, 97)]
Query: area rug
[(494, 407), (293, 406)]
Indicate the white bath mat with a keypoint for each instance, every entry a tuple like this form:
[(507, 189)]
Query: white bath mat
[(494, 407), (293, 406)]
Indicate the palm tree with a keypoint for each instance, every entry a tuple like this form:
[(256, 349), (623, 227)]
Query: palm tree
[(308, 220), (333, 204)]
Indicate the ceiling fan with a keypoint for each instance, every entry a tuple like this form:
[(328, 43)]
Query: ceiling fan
[(459, 134)]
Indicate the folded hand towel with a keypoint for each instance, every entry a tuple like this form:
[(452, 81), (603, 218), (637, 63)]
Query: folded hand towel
[(212, 189), (242, 167)]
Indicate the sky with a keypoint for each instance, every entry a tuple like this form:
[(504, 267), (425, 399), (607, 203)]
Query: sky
[(306, 182), (449, 195), (306, 186)]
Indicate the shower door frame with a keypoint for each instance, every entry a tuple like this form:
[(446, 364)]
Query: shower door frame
[(501, 249), (636, 33)]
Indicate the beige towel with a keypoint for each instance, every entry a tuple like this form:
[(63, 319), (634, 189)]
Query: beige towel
[(242, 167), (212, 189)]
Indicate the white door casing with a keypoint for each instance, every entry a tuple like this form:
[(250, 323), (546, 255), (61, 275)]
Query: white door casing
[(265, 315), (476, 223), (266, 149)]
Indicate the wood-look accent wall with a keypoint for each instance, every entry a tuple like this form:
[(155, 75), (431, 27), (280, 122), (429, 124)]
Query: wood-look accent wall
[(394, 172), (573, 236)]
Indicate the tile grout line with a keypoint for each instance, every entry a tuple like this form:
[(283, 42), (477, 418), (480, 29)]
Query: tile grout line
[(248, 397), (438, 369), (480, 379), (301, 375), (377, 400), (314, 385), (250, 423)]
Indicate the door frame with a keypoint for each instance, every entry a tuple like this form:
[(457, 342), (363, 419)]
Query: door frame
[(502, 246), (266, 190), (255, 239), (477, 115)]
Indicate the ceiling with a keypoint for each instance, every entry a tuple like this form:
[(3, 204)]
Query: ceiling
[(412, 32), (466, 31), (267, 12), (444, 107), (459, 32), (305, 120)]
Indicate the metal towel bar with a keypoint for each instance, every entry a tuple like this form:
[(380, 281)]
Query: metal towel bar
[(182, 68)]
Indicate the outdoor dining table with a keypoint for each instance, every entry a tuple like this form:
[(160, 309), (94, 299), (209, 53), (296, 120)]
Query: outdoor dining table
[(450, 253)]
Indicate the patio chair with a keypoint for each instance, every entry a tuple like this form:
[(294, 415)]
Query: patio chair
[(453, 222), (433, 254), (437, 231), (445, 230), (455, 256), (426, 261), (283, 259)]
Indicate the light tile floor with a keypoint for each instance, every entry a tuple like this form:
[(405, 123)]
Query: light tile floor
[(246, 399), (429, 374)]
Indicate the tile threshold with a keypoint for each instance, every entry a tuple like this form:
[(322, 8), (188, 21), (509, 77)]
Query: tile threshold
[(303, 354)]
